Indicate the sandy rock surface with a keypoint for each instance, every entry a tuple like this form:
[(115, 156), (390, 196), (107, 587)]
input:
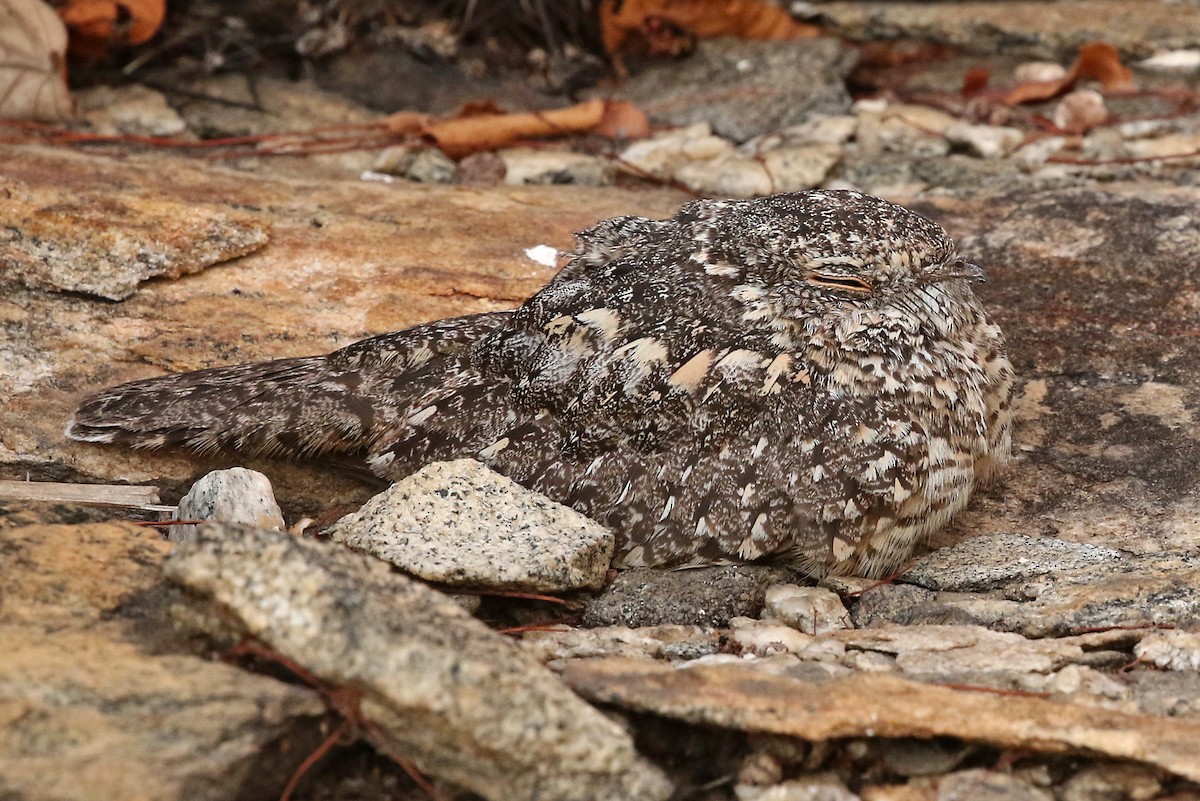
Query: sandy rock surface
[(1044, 648), (93, 677)]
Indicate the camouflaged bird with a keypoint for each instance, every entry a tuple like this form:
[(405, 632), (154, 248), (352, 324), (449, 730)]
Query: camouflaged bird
[(805, 378)]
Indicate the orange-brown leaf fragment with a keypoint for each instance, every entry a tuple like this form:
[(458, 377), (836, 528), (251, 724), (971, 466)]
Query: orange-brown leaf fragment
[(1036, 91), (146, 17), (975, 81), (746, 19), (94, 24), (1100, 61), (1097, 61), (466, 135), (622, 120)]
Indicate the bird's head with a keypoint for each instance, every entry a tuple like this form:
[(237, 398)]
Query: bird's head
[(824, 249)]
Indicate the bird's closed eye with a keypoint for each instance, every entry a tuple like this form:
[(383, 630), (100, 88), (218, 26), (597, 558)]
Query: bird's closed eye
[(847, 282)]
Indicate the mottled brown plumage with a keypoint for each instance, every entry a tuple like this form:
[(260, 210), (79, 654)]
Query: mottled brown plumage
[(806, 377)]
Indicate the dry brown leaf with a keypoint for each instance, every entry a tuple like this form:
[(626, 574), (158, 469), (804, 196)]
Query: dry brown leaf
[(975, 81), (1036, 91), (94, 23), (466, 135), (33, 42), (1097, 61), (745, 19), (1100, 61), (622, 120)]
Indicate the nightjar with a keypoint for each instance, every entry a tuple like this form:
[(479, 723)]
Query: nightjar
[(806, 378)]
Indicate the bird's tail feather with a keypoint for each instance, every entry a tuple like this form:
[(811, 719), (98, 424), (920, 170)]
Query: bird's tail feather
[(338, 404)]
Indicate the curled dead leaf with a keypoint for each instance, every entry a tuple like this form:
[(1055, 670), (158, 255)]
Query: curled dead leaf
[(97, 25), (482, 127), (1097, 61), (1100, 61), (745, 19), (33, 42)]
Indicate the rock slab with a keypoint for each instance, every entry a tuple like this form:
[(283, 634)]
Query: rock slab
[(993, 560), (1134, 591), (117, 239), (93, 703), (462, 524), (880, 705), (462, 702)]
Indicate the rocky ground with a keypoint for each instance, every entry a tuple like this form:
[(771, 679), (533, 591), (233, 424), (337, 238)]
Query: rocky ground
[(1047, 646)]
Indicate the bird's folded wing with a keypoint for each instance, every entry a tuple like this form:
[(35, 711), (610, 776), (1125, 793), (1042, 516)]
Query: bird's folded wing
[(341, 403)]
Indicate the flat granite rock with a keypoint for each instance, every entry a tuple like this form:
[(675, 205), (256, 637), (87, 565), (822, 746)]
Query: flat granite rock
[(983, 563), (1098, 292), (101, 699), (462, 524), (875, 705), (1141, 591), (462, 702), (106, 241)]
